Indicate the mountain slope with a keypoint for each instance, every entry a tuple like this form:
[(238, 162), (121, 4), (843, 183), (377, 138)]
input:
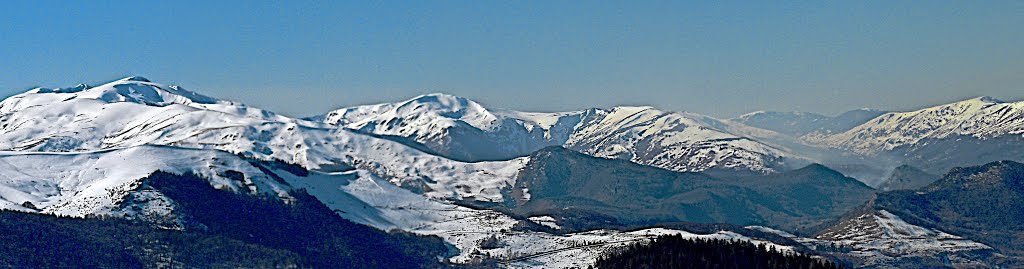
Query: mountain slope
[(105, 182), (969, 132), (879, 239), (223, 230), (985, 203), (906, 177), (969, 218), (584, 189), (675, 141)]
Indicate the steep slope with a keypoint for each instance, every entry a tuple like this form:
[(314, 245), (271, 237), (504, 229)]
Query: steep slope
[(969, 132), (580, 189), (133, 111), (803, 123), (459, 128), (906, 177)]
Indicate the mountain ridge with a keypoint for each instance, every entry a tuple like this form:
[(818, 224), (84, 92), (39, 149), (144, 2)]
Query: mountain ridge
[(663, 135)]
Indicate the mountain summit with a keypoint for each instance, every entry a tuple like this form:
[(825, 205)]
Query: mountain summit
[(130, 89)]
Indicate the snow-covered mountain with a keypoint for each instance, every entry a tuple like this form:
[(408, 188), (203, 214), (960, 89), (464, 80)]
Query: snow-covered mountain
[(969, 132), (459, 128), (463, 129), (87, 151), (981, 117), (675, 141), (134, 112)]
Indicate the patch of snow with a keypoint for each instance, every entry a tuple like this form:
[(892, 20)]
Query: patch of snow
[(546, 221)]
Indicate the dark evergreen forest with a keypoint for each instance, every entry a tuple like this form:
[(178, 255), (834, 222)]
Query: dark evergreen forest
[(678, 252)]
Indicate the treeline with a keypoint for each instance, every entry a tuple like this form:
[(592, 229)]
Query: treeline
[(674, 251), (223, 230)]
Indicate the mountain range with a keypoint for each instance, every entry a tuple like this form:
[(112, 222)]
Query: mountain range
[(524, 189)]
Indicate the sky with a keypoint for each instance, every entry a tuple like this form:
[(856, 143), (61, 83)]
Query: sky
[(720, 58)]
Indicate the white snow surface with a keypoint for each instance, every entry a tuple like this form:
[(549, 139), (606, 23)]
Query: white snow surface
[(96, 183), (548, 221), (674, 141)]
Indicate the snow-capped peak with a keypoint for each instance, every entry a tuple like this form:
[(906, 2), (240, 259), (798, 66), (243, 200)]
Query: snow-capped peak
[(141, 90), (448, 106), (987, 99), (132, 89), (443, 101), (440, 105)]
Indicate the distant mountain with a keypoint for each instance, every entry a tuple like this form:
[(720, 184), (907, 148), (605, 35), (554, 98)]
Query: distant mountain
[(462, 129), (906, 177), (683, 142), (580, 188), (802, 123), (969, 132)]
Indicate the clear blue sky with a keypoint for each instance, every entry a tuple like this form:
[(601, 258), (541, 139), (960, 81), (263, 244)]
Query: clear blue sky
[(717, 58)]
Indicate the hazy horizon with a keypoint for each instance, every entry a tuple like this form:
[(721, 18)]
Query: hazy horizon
[(718, 59)]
